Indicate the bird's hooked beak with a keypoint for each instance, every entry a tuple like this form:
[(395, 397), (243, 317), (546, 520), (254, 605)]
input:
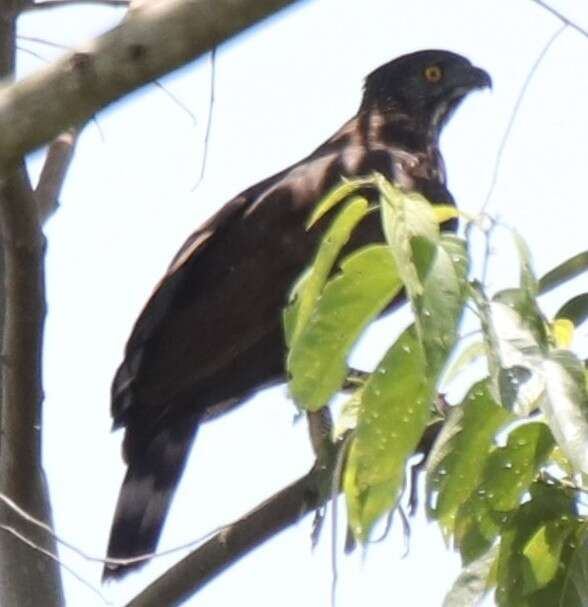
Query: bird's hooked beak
[(467, 81), (478, 78)]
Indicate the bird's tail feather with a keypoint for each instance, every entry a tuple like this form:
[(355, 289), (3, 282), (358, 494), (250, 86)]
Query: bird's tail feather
[(145, 497)]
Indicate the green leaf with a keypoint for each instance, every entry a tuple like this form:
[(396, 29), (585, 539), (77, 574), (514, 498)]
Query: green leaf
[(445, 212), (433, 269), (309, 289), (516, 342), (409, 226), (338, 194), (528, 282), (543, 551), (394, 410), (575, 582), (508, 473), (563, 272), (565, 406), (575, 310), (440, 306), (457, 461), (350, 301), (562, 332), (473, 582), (534, 548)]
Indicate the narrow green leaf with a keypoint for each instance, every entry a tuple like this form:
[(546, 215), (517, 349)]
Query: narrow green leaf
[(528, 574), (407, 216), (575, 310), (473, 582), (309, 289), (508, 473), (350, 301), (575, 582), (465, 446), (563, 272), (543, 552), (394, 411), (338, 194), (528, 282), (440, 306), (565, 405)]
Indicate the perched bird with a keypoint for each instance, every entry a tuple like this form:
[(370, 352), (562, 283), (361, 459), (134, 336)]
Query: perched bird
[(211, 333)]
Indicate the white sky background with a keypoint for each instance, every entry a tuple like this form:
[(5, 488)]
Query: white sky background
[(128, 204)]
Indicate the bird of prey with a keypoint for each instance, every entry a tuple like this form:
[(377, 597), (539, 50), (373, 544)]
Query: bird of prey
[(211, 334)]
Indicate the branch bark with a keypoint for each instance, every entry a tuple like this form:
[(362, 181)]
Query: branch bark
[(25, 573), (226, 547), (57, 161), (36, 109)]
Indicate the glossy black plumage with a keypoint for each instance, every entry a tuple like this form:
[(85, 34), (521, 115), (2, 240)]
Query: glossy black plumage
[(211, 335)]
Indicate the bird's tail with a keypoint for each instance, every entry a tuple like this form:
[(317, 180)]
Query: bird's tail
[(145, 496)]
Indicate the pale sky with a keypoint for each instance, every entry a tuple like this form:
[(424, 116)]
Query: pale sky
[(128, 204)]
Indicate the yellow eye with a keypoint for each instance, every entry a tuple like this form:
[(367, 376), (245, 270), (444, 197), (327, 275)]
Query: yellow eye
[(433, 73)]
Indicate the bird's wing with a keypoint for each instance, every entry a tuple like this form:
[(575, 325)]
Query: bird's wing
[(211, 331)]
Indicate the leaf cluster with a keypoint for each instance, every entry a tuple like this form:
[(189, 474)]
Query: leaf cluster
[(505, 464)]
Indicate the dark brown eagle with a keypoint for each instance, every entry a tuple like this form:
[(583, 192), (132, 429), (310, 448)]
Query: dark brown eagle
[(211, 335)]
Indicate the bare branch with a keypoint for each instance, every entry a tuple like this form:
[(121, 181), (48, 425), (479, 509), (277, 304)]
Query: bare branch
[(68, 92), (225, 548), (57, 162)]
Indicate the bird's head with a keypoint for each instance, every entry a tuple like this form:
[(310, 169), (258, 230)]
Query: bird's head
[(425, 86)]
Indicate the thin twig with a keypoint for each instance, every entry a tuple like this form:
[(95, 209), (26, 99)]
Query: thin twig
[(61, 3), (19, 536), (335, 489), (96, 559), (209, 119), (515, 112), (176, 100), (35, 40), (22, 49), (562, 17)]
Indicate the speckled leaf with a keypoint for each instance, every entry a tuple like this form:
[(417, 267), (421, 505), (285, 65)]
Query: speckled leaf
[(539, 535), (456, 465), (440, 306), (394, 411), (473, 582), (307, 291), (565, 405), (350, 301), (508, 473), (411, 231)]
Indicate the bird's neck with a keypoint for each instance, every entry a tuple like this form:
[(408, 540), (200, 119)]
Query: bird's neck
[(397, 129)]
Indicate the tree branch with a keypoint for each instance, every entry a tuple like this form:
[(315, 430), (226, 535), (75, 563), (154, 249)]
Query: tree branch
[(26, 574), (21, 473), (36, 109), (52, 176), (227, 546)]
